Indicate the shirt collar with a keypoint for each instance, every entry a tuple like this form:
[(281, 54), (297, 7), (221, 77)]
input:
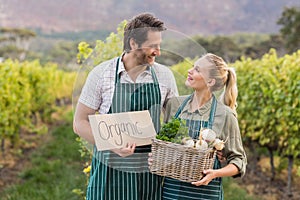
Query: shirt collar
[(122, 67), (202, 110)]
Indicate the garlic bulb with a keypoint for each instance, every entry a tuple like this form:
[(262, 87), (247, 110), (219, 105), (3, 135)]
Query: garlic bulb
[(189, 143), (201, 145), (208, 135), (219, 144)]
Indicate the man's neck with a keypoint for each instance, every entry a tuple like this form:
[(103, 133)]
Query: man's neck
[(133, 69)]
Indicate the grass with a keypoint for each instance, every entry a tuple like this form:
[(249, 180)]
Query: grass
[(232, 191), (56, 169)]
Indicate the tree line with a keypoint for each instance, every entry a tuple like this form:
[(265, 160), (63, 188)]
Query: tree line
[(15, 43)]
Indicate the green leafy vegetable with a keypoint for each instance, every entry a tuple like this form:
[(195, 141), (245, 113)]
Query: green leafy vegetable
[(173, 131)]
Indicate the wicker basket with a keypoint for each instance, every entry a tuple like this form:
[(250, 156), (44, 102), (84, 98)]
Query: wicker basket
[(180, 162)]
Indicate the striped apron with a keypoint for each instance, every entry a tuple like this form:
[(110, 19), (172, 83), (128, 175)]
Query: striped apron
[(174, 189), (113, 177)]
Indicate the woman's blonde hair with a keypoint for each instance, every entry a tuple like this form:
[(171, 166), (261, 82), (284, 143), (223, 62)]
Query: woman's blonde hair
[(225, 78)]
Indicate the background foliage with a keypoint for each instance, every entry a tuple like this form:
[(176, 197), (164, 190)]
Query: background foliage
[(29, 93), (267, 66)]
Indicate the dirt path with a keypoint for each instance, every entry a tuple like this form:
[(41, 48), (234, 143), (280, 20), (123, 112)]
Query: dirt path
[(259, 183), (14, 160)]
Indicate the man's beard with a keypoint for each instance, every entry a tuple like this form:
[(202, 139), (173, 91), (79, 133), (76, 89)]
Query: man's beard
[(141, 58)]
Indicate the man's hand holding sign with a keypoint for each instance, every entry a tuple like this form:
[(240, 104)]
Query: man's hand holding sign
[(122, 132)]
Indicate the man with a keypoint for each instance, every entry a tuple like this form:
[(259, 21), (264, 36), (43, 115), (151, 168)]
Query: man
[(131, 82)]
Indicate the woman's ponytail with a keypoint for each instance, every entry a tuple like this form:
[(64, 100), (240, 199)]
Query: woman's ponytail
[(231, 91), (225, 78)]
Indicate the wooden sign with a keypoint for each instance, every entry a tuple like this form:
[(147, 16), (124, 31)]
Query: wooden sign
[(116, 130)]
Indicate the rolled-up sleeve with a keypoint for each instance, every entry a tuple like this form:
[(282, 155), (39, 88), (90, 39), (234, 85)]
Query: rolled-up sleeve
[(234, 150), (90, 94)]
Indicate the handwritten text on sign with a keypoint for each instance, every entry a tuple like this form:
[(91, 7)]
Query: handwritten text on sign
[(116, 130)]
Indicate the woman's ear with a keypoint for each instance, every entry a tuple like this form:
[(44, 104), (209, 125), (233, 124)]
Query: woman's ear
[(211, 82), (133, 44)]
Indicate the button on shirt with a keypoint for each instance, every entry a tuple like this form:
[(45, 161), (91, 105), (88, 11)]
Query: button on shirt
[(97, 93)]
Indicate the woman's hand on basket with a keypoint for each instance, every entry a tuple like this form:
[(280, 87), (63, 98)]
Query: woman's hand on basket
[(125, 151), (209, 175)]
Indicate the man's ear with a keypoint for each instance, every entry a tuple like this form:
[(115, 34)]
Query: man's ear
[(133, 44)]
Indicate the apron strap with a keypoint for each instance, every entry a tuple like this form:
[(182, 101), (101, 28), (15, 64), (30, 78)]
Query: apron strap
[(117, 78), (182, 106), (155, 80), (212, 112)]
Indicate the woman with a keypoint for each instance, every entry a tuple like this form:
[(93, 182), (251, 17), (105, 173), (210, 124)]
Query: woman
[(202, 110)]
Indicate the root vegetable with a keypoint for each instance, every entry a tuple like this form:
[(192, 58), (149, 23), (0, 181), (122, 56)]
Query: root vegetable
[(201, 145), (208, 135), (219, 144)]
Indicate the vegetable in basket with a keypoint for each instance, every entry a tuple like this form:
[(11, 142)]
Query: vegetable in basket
[(176, 131), (173, 131)]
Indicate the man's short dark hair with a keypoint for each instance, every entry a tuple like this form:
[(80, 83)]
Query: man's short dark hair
[(138, 27)]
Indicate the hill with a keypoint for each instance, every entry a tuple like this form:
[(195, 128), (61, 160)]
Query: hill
[(189, 16)]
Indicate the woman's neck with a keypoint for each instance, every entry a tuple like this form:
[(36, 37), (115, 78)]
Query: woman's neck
[(200, 98)]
